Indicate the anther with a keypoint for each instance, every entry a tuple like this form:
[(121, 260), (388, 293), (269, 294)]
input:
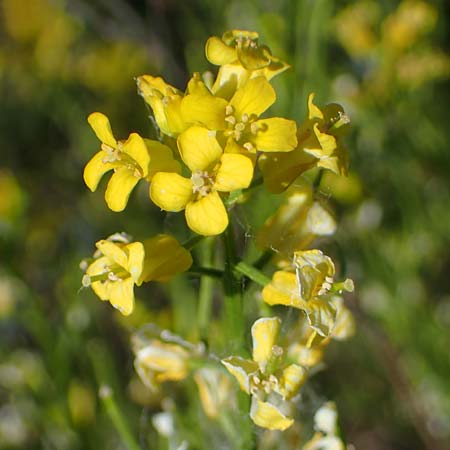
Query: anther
[(86, 281)]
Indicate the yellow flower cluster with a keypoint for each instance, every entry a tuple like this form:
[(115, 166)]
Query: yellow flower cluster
[(213, 141)]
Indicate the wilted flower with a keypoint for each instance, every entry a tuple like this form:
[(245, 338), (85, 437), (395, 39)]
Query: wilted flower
[(319, 145), (159, 361), (215, 389), (267, 377), (305, 285), (296, 223)]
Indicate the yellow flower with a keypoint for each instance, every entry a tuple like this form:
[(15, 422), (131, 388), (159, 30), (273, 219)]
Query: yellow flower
[(296, 223), (241, 58), (114, 272), (132, 160), (159, 361), (306, 286), (213, 171), (267, 377), (119, 265), (165, 101), (319, 145), (238, 119)]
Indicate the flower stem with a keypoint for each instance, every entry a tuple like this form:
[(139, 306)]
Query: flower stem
[(252, 273), (107, 397), (233, 313), (206, 287)]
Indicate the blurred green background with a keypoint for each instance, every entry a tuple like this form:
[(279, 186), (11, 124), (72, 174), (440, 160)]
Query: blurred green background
[(386, 61)]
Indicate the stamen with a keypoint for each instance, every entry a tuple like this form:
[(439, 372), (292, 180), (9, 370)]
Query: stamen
[(86, 281), (254, 127), (229, 110)]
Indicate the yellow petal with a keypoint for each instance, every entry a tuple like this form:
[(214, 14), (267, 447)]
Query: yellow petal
[(196, 85), (102, 128), (170, 191), (241, 369), (313, 111), (291, 380), (326, 141), (275, 67), (283, 290), (176, 122), (207, 216), (113, 252), (97, 267), (264, 336), (280, 170), (229, 78), (199, 148), (315, 272), (254, 57), (161, 159), (136, 148), (266, 415), (165, 101), (321, 316), (254, 97), (95, 169), (276, 135), (169, 361), (164, 258), (206, 110), (121, 295), (119, 188), (219, 53), (135, 259), (235, 172)]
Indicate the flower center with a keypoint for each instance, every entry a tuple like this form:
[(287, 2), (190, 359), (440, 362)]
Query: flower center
[(260, 383), (202, 183), (241, 128), (120, 159), (110, 272)]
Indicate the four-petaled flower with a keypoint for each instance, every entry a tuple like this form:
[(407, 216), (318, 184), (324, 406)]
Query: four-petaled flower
[(118, 265), (213, 171), (267, 377), (238, 119), (115, 270), (132, 160)]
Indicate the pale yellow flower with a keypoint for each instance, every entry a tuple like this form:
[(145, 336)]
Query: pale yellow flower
[(266, 377)]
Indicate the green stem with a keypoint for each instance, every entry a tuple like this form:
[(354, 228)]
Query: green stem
[(206, 287), (252, 273), (103, 370), (233, 311), (192, 242), (107, 398)]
